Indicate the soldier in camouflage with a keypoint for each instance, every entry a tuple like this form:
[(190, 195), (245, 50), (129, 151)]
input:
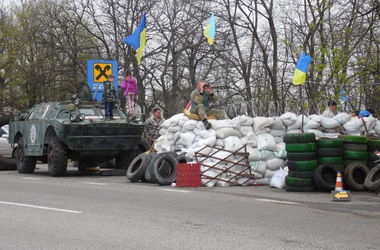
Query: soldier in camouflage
[(109, 96), (200, 102), (152, 125)]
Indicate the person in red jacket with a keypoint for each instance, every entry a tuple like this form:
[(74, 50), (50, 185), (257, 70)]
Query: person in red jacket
[(130, 91)]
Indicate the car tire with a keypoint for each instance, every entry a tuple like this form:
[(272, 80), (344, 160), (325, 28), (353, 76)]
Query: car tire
[(372, 181), (25, 164), (148, 170), (164, 170), (307, 156), (57, 157), (355, 139), (374, 144), (355, 146), (7, 163), (329, 143), (295, 181), (325, 177), (302, 165), (136, 169), (301, 147), (301, 174), (291, 188), (331, 160), (299, 138), (328, 152), (355, 175), (355, 155)]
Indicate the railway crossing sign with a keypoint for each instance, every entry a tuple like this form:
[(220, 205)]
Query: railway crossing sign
[(97, 73)]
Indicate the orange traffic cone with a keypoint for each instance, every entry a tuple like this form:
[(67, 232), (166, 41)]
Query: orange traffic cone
[(339, 183)]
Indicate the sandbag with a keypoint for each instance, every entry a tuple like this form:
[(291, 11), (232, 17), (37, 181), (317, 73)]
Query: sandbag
[(172, 121), (211, 174), (266, 141), (329, 122), (259, 167), (342, 117), (245, 130), (244, 120), (277, 132), (251, 139), (162, 145), (263, 181), (293, 131), (311, 124), (370, 122), (163, 131), (219, 143), (288, 118), (269, 173), (317, 118), (225, 132), (275, 164), (186, 139), (278, 139), (174, 129), (298, 123), (205, 133), (203, 142), (318, 133), (278, 179), (277, 124), (217, 124), (232, 143), (260, 155), (189, 125), (377, 127), (261, 123), (355, 124)]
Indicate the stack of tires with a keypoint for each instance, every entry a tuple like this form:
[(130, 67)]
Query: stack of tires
[(355, 162), (301, 155), (330, 162), (155, 168), (372, 181)]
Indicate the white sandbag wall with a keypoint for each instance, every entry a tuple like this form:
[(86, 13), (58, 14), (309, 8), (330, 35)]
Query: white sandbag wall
[(262, 135)]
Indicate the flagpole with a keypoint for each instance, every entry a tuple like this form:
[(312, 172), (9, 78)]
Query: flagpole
[(302, 107)]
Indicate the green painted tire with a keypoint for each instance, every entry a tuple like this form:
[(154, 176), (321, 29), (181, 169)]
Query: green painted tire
[(328, 152), (301, 174), (301, 147), (348, 162), (304, 156), (329, 143), (355, 139), (373, 149), (330, 160), (355, 155), (355, 146), (294, 181), (291, 188), (299, 138), (372, 156), (302, 165), (374, 143)]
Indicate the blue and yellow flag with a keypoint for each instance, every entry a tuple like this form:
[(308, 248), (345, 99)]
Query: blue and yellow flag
[(301, 69), (137, 39), (209, 32)]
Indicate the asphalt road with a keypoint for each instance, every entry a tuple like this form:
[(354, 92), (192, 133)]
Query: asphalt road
[(107, 212)]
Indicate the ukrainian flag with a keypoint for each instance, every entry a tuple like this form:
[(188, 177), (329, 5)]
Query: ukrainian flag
[(209, 32), (137, 39), (301, 69)]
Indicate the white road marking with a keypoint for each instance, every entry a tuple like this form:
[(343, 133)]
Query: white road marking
[(31, 178), (95, 183), (175, 190), (277, 201), (41, 207)]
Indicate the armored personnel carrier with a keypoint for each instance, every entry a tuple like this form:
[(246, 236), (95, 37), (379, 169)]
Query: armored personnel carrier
[(58, 131)]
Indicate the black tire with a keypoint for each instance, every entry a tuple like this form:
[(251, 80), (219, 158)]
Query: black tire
[(136, 169), (290, 188), (295, 181), (308, 156), (182, 158), (25, 164), (148, 170), (299, 138), (355, 139), (164, 170), (302, 165), (355, 155), (355, 175), (301, 174), (372, 181), (325, 177), (57, 157), (355, 146), (372, 156), (329, 143), (331, 160), (327, 152), (7, 164), (301, 147), (348, 162), (374, 143)]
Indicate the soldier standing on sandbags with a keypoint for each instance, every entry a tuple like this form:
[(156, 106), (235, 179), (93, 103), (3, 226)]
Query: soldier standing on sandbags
[(200, 102), (331, 109)]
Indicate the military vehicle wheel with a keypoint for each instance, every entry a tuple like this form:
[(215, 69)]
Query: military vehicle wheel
[(25, 164), (123, 160), (57, 158)]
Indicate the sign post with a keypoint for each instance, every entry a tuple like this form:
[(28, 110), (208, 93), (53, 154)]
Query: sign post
[(97, 73)]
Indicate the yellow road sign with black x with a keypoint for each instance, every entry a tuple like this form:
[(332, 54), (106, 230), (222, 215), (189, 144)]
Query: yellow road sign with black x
[(102, 71)]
